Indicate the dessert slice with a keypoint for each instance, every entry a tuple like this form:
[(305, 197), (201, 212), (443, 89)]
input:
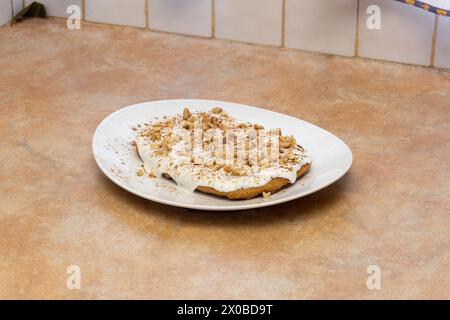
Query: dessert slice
[(212, 152)]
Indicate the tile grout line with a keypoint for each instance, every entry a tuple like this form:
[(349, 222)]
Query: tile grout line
[(433, 41), (147, 25), (83, 10), (283, 22), (12, 11), (213, 19), (356, 53)]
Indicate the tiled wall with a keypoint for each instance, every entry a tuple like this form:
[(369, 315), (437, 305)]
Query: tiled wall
[(5, 12), (321, 26), (442, 58), (256, 21), (121, 12), (17, 6), (181, 16), (407, 34)]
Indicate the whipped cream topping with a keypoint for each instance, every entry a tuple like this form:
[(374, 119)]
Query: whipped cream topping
[(176, 162)]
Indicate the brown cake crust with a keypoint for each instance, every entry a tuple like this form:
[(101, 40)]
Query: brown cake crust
[(245, 194)]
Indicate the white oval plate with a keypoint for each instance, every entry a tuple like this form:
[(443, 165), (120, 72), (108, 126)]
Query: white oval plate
[(117, 158)]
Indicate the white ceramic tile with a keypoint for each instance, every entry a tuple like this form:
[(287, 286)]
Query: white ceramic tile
[(17, 6), (5, 12), (56, 8), (405, 36), (121, 12), (442, 58), (321, 26), (257, 21), (181, 16), (442, 4)]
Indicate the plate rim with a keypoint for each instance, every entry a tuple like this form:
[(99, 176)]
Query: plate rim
[(215, 207)]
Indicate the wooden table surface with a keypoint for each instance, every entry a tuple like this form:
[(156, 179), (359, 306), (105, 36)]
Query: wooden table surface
[(57, 209)]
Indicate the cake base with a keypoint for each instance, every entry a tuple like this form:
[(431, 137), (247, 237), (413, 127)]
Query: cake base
[(245, 194)]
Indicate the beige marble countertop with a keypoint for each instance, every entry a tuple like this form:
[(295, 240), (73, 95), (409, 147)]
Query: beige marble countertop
[(57, 209)]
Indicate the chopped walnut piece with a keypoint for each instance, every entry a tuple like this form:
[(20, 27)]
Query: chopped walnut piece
[(153, 133), (140, 172), (215, 121), (233, 171), (223, 126), (287, 142), (165, 145), (188, 125), (205, 122), (242, 126), (186, 114), (216, 110), (257, 126), (266, 195)]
